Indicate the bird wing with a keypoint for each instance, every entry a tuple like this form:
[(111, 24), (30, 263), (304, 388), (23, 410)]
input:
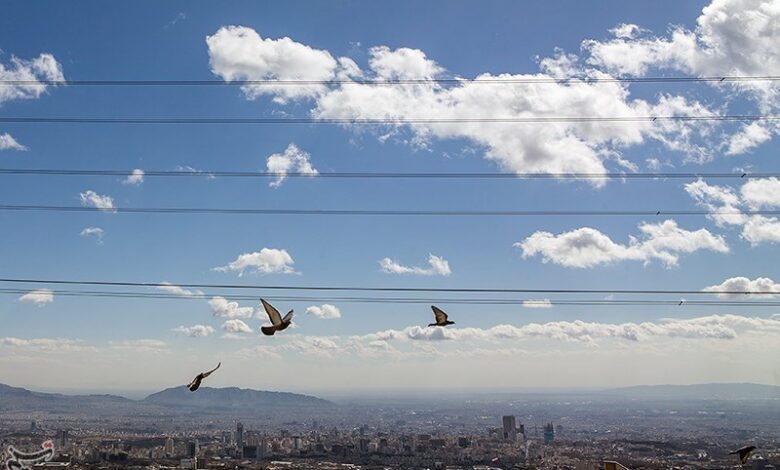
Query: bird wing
[(273, 314), (206, 374), (288, 317), (439, 314), (268, 330), (195, 384)]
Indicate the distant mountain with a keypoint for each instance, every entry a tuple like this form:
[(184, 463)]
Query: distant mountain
[(715, 391), (232, 397), (20, 399), (173, 400)]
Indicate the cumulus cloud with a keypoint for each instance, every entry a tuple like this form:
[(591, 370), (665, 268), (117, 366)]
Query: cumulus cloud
[(34, 73), (222, 307), (556, 147), (732, 38), (438, 267), (324, 311), (178, 290), (90, 198), (744, 284), (235, 326), (96, 232), (7, 142), (540, 303), (293, 160), (135, 178), (265, 261), (240, 53), (38, 297), (194, 331), (761, 193), (587, 247), (755, 194)]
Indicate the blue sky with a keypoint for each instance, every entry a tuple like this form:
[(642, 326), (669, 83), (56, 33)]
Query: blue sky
[(135, 344)]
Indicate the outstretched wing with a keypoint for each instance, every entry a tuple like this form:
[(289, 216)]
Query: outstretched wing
[(288, 317), (206, 374), (439, 314), (273, 314)]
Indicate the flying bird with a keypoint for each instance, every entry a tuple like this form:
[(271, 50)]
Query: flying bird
[(744, 453), (441, 317), (195, 384), (277, 322)]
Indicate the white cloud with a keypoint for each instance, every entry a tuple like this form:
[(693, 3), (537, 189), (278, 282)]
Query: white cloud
[(438, 267), (140, 345), (38, 297), (96, 232), (135, 178), (235, 326), (557, 147), (325, 311), (537, 303), (265, 261), (293, 160), (626, 31), (239, 53), (721, 327), (732, 38), (90, 198), (194, 331), (761, 193), (7, 142), (33, 72), (45, 344), (221, 307), (755, 194), (587, 247), (178, 290), (744, 284)]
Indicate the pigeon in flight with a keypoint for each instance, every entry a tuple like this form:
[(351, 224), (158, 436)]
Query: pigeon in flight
[(195, 384), (277, 322), (744, 453), (441, 317)]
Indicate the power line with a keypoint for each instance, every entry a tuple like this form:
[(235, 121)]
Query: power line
[(382, 289), (383, 120), (404, 300), (384, 213), (368, 175), (384, 82)]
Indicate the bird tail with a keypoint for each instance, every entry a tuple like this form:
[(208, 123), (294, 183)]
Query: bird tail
[(268, 330)]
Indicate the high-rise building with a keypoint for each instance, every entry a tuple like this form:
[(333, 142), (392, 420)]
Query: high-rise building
[(549, 433), (169, 447), (62, 438), (510, 428), (240, 435)]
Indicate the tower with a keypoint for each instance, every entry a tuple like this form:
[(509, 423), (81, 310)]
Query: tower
[(510, 428), (240, 435)]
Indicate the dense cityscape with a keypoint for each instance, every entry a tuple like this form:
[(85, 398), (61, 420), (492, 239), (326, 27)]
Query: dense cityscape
[(544, 432)]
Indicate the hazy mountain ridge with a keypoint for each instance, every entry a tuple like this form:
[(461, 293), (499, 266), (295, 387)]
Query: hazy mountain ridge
[(229, 397), (176, 398), (715, 391)]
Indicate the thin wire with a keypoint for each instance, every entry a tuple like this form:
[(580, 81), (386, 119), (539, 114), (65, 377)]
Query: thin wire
[(369, 121), (404, 300), (418, 81), (382, 213), (382, 289), (271, 174)]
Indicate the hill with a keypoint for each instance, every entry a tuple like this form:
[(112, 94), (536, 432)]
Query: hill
[(713, 391)]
